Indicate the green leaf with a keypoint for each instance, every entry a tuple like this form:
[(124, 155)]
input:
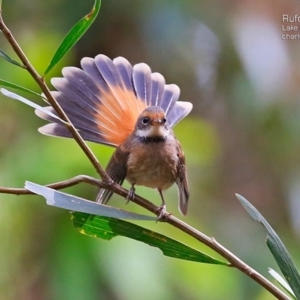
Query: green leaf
[(9, 59), (282, 282), (107, 228), (18, 87), (70, 202), (277, 248), (74, 35)]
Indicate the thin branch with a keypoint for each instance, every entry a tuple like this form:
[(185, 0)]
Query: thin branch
[(41, 82), (234, 260), (56, 186)]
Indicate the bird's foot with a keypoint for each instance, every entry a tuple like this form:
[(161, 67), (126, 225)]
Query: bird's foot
[(163, 215), (130, 195)]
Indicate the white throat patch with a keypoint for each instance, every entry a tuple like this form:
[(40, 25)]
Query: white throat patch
[(158, 130)]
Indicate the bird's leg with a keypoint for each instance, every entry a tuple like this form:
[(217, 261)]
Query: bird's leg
[(162, 209), (131, 194)]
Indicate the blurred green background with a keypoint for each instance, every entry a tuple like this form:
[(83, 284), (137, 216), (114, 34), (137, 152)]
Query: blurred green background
[(231, 62)]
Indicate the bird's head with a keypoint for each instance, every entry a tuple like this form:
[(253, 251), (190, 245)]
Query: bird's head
[(152, 124)]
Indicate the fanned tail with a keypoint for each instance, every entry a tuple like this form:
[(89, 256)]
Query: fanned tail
[(104, 99)]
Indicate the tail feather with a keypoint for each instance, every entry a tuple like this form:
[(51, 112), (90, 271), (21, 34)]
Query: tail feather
[(109, 72), (89, 67), (125, 69), (158, 85), (59, 130), (169, 97), (178, 112), (110, 87), (114, 83), (81, 114), (142, 82), (74, 98), (183, 195), (89, 131), (80, 82)]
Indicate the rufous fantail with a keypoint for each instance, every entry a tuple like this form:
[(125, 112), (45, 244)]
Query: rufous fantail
[(114, 103)]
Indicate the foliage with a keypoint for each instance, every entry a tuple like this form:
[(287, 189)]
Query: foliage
[(92, 225)]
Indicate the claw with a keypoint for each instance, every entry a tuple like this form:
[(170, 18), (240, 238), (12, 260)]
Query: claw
[(162, 212), (131, 194), (162, 209)]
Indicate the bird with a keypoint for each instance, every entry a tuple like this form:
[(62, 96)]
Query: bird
[(131, 108)]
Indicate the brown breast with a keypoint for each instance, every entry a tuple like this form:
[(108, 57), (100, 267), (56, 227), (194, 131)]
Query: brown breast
[(153, 165)]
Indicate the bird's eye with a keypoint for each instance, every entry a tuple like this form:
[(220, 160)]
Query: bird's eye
[(164, 120), (145, 120)]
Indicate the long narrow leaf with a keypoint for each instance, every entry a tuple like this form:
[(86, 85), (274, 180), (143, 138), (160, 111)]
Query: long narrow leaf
[(107, 228), (9, 59), (11, 85), (29, 103), (277, 248), (74, 35), (70, 202), (282, 282)]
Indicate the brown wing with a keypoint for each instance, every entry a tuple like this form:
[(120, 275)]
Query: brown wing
[(117, 170), (182, 183)]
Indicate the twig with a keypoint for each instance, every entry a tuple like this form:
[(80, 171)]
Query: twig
[(56, 186), (234, 260)]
